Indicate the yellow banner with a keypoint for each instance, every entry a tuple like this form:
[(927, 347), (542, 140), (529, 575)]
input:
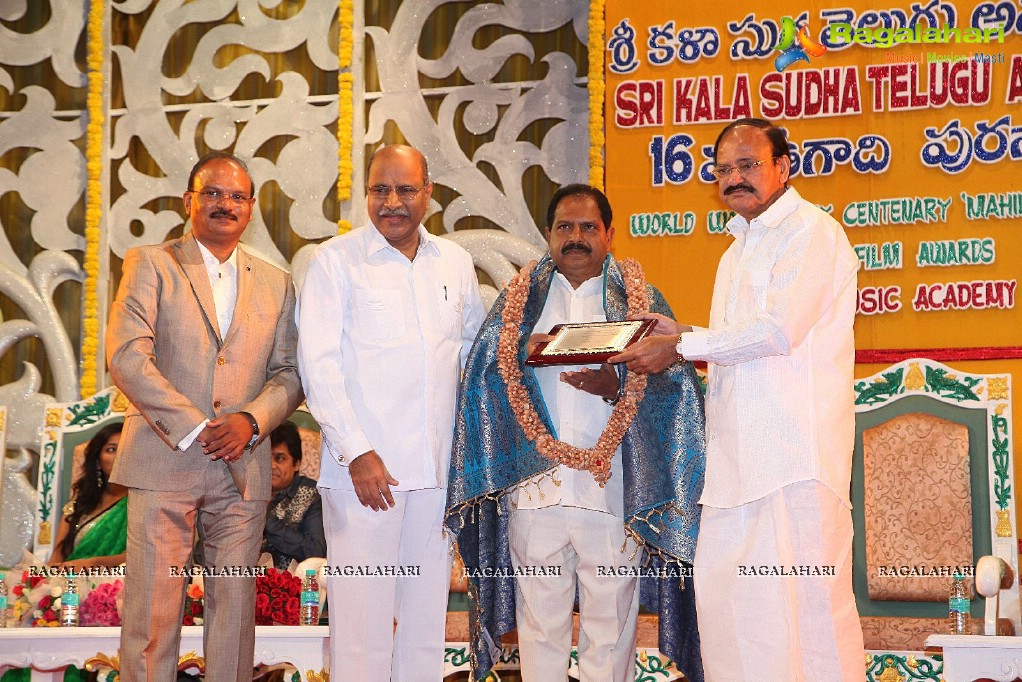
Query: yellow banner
[(903, 124)]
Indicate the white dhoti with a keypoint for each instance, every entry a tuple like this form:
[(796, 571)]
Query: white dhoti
[(406, 539), (592, 546), (756, 624)]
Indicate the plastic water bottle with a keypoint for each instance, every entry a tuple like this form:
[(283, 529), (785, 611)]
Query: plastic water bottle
[(958, 606), (69, 603), (310, 598), (3, 601)]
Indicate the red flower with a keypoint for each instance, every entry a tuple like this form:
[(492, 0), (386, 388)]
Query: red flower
[(49, 614), (262, 601), (188, 620), (45, 602), (16, 590), (196, 608), (277, 604)]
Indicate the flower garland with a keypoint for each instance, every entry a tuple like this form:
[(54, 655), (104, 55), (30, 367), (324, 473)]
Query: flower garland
[(595, 460), (597, 87), (345, 107), (93, 198)]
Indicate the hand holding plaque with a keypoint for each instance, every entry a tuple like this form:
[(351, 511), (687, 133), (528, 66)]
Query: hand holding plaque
[(588, 343)]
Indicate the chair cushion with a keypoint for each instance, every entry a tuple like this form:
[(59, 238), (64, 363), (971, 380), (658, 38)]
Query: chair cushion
[(918, 507)]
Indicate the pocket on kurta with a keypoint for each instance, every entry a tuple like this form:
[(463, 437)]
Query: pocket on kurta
[(380, 314)]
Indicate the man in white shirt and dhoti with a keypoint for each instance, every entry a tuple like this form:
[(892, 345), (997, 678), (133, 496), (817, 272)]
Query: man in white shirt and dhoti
[(780, 427), (386, 315)]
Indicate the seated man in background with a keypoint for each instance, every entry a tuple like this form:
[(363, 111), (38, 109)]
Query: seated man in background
[(294, 517)]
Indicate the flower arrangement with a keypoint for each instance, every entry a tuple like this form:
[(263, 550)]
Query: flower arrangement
[(596, 460), (46, 613), (277, 598), (194, 605), (101, 606), (34, 602)]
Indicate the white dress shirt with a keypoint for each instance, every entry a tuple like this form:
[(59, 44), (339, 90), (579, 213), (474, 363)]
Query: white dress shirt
[(223, 280), (578, 417), (381, 340), (781, 352)]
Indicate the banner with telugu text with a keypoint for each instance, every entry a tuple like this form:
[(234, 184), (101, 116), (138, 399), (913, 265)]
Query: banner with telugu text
[(904, 125)]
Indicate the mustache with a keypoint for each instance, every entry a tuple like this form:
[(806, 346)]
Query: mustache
[(223, 213), (576, 246), (736, 188), (399, 211)]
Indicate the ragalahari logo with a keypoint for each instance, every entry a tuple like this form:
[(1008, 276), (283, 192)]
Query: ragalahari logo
[(795, 43)]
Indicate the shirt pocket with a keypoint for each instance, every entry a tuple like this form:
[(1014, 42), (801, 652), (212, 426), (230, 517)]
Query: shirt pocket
[(380, 314), (753, 288), (451, 306)]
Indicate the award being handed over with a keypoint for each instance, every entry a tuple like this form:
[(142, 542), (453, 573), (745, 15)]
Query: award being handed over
[(588, 343)]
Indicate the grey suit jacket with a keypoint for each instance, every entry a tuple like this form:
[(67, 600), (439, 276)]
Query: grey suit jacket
[(168, 356)]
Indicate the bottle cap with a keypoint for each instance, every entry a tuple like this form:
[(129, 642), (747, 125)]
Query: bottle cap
[(310, 571)]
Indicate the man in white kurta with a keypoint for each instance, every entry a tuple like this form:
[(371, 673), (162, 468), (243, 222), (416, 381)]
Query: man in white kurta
[(774, 556), (386, 316)]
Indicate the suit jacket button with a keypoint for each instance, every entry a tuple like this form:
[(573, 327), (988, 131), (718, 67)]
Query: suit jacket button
[(220, 361), (217, 404)]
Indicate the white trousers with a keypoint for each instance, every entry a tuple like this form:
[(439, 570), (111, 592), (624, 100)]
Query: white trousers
[(364, 643), (589, 545), (756, 625)]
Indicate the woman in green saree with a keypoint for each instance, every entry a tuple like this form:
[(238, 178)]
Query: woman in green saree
[(94, 529)]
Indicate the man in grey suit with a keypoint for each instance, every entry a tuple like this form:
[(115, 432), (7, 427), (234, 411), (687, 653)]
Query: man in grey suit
[(202, 342)]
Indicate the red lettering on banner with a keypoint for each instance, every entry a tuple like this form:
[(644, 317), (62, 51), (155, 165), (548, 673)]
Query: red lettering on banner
[(639, 104), (975, 295), (1015, 81), (701, 100), (878, 300), (899, 87), (810, 93)]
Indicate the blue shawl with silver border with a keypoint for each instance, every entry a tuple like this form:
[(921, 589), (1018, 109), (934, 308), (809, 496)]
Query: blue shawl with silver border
[(663, 458)]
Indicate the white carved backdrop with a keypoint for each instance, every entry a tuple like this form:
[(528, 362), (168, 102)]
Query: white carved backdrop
[(259, 78)]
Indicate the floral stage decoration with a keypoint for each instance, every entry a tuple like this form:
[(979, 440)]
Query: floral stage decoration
[(102, 606), (277, 600)]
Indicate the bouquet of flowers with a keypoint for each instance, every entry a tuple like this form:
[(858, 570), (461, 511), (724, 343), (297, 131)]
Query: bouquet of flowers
[(277, 598), (193, 605), (100, 607), (34, 601)]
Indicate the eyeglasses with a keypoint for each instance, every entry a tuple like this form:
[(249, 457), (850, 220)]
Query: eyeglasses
[(215, 195), (745, 167), (404, 192)]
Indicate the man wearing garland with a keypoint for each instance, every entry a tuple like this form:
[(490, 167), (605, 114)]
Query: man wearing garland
[(612, 500), (780, 424)]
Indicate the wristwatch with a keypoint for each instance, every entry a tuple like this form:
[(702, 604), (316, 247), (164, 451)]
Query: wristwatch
[(255, 429)]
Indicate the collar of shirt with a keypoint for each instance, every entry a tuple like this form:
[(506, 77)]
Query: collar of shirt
[(213, 264), (376, 242), (590, 287), (773, 216), (290, 491)]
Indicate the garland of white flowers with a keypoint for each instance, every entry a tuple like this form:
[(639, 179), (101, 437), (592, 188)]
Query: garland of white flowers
[(596, 460)]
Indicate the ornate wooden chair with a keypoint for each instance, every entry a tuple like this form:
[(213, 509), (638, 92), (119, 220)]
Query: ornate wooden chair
[(67, 427), (931, 493)]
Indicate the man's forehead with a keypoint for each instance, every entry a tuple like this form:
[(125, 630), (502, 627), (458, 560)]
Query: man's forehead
[(578, 207), (396, 163), (743, 139), (221, 170)]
